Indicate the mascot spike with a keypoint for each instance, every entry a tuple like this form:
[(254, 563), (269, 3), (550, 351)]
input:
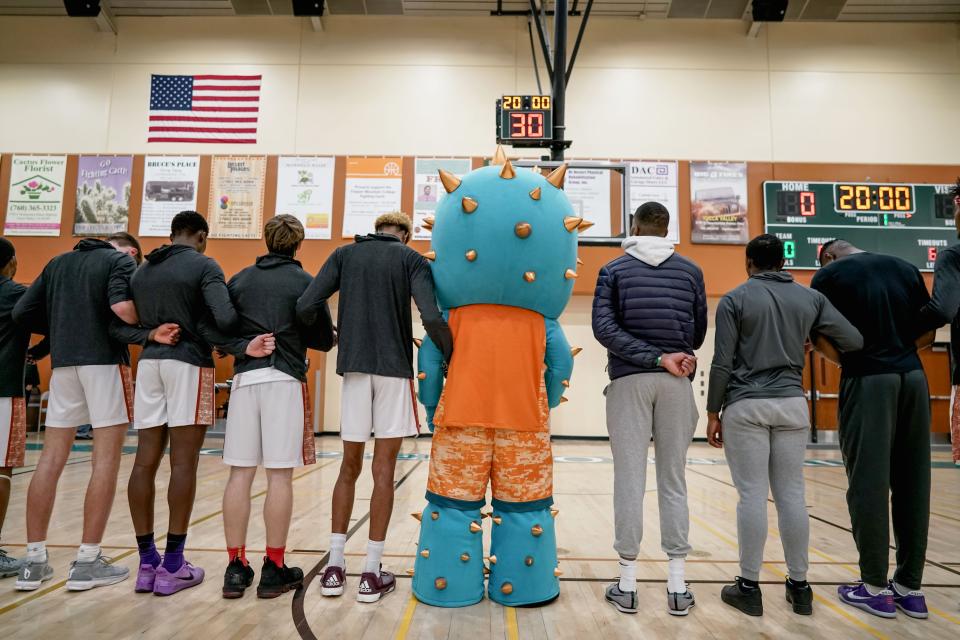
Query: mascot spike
[(536, 531), (471, 255), (528, 561), (579, 262), (422, 375), (572, 222), (493, 559), (425, 553), (434, 515), (430, 255), (575, 350), (523, 229), (418, 516), (485, 515), (506, 589), (486, 570), (440, 584), (557, 572), (586, 224), (418, 342), (497, 519), (469, 204), (450, 181), (464, 557), (557, 176), (428, 222), (475, 528), (499, 157), (529, 276), (410, 572), (535, 194), (565, 383), (563, 399), (554, 512), (507, 171), (570, 274)]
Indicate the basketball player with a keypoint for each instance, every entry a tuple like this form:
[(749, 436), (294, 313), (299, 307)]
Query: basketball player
[(944, 308), (126, 243), (756, 378), (269, 418), (175, 392), (75, 299), (376, 276), (650, 312), (884, 416)]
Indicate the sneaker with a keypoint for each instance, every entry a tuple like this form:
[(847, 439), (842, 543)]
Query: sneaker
[(749, 600), (275, 581), (146, 577), (168, 583), (9, 566), (236, 579), (912, 603), (801, 597), (84, 576), (857, 596), (373, 586), (32, 574), (679, 604), (624, 601), (333, 580)]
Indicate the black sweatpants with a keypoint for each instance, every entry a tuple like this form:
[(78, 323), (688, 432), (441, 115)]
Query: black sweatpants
[(885, 439)]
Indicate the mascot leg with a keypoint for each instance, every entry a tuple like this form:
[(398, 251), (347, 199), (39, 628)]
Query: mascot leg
[(449, 566), (523, 550)]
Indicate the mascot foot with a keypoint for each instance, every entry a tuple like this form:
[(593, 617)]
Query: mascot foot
[(449, 567), (523, 555)]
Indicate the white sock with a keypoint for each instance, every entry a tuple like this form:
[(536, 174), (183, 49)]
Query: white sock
[(900, 589), (676, 579), (628, 575), (88, 552), (337, 542), (37, 551), (873, 589), (374, 553)]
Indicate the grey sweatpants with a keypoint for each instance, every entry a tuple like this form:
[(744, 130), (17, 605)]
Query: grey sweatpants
[(638, 406), (765, 440)]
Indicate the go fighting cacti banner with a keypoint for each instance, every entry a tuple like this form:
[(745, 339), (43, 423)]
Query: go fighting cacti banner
[(35, 200), (103, 195)]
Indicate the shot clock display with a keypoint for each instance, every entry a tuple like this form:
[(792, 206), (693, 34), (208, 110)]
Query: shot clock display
[(912, 221), (524, 120)]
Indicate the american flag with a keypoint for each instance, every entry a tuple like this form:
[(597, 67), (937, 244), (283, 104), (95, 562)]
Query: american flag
[(204, 109)]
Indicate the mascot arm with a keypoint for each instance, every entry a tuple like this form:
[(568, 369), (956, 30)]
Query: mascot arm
[(430, 364), (559, 362)]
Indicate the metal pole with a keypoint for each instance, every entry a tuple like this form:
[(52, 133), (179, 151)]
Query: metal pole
[(533, 52), (543, 39), (559, 76), (576, 45)]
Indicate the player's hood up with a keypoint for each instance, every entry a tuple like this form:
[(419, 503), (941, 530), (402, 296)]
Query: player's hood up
[(272, 260), (162, 253), (652, 250)]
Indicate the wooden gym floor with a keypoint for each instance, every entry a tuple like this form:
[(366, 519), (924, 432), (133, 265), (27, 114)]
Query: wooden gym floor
[(584, 480)]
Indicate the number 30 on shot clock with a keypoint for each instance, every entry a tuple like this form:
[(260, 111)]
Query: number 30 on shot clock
[(522, 119)]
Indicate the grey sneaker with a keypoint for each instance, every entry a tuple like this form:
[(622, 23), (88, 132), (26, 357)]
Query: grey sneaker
[(8, 566), (32, 574), (84, 576), (624, 601), (679, 604)]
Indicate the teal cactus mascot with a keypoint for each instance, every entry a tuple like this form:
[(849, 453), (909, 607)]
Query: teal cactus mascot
[(504, 258)]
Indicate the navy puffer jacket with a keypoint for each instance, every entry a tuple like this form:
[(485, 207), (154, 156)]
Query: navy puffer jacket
[(646, 307)]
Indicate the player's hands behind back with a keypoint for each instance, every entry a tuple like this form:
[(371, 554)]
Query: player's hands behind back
[(168, 333), (261, 346), (679, 364)]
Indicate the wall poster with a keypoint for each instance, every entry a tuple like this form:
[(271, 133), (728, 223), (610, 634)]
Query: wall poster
[(373, 187), (35, 201), (427, 190), (236, 197), (103, 195), (718, 203), (305, 191), (656, 182), (169, 187)]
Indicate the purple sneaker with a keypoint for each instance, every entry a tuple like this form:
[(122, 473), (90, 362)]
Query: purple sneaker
[(912, 603), (857, 596), (331, 584), (186, 576), (146, 576)]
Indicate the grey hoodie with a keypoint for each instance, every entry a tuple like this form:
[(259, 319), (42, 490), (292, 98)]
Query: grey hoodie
[(762, 326), (648, 249)]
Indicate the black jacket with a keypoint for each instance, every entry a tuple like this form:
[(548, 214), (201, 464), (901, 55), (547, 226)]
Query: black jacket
[(265, 296), (376, 277), (944, 305), (14, 340), (71, 301), (178, 284)]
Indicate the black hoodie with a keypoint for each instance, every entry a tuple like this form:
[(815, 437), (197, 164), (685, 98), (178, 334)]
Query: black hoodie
[(14, 340), (71, 301), (265, 295), (376, 277), (178, 284)]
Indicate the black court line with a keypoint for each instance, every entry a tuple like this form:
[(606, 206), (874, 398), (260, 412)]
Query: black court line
[(932, 563), (299, 617)]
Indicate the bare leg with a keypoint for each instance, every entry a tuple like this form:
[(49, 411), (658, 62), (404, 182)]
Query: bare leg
[(6, 474), (381, 502), (185, 444), (141, 489), (107, 447), (343, 491), (278, 507), (57, 443), (236, 505)]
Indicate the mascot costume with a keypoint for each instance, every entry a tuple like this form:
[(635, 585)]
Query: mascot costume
[(504, 257)]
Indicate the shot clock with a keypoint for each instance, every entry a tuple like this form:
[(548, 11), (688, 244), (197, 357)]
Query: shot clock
[(911, 221), (524, 120)]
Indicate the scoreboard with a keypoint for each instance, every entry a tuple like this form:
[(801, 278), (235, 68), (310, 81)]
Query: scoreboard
[(525, 121), (910, 221)]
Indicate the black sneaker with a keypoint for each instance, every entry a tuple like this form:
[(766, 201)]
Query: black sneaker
[(236, 579), (747, 599), (800, 595), (276, 581)]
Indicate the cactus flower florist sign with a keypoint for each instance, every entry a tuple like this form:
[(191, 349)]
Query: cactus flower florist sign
[(103, 195), (36, 196)]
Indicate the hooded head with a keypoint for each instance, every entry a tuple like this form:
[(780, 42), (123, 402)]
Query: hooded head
[(505, 236), (647, 241)]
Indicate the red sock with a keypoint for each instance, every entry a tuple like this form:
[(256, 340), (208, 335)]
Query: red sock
[(238, 552), (276, 554)]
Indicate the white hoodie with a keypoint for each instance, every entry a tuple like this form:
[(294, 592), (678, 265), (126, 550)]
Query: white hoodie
[(652, 250)]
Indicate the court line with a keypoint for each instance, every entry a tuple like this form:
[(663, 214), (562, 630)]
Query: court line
[(510, 623), (38, 594), (406, 619), (839, 488), (296, 606)]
